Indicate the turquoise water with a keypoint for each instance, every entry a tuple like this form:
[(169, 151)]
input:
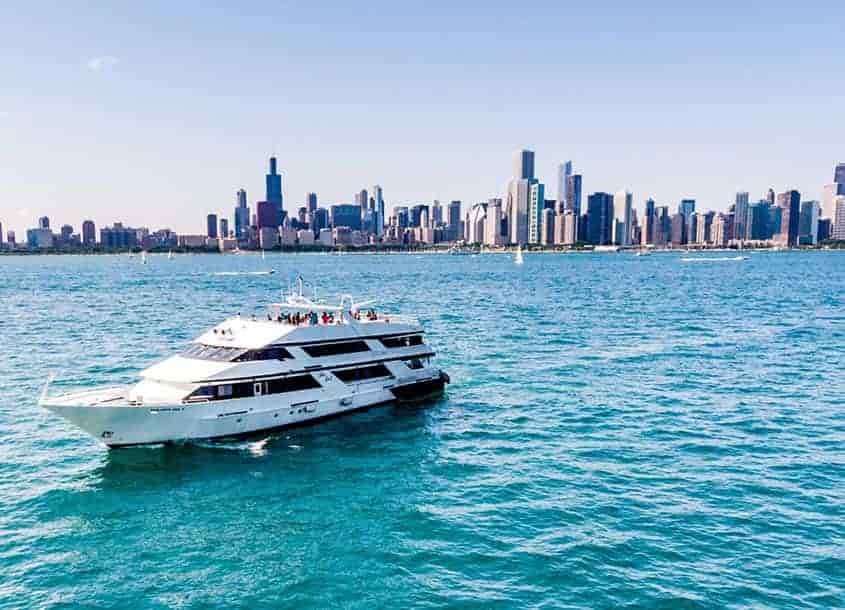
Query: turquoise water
[(620, 432)]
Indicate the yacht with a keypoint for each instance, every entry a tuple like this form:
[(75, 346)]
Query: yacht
[(304, 361)]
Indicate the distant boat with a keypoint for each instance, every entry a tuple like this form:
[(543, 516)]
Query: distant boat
[(518, 259), (642, 253), (144, 257), (170, 255), (710, 259), (262, 255)]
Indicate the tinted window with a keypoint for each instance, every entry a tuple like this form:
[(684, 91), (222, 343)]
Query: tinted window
[(335, 349), (245, 389), (402, 341), (363, 373), (266, 353), (292, 384)]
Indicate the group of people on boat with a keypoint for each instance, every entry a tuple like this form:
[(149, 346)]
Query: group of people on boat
[(312, 318)]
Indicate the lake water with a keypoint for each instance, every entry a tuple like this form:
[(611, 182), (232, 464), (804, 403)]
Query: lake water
[(620, 431)]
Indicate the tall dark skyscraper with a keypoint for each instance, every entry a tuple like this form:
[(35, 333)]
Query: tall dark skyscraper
[(89, 233), (274, 191), (573, 194), (790, 206), (454, 218), (647, 234), (599, 218), (686, 207), (839, 174), (311, 202), (523, 164), (211, 225), (741, 216), (770, 196)]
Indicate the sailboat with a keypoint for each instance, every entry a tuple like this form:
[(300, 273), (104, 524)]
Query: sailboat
[(170, 255), (518, 260), (143, 257), (262, 255)]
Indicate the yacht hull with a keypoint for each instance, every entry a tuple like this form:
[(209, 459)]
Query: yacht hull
[(125, 425)]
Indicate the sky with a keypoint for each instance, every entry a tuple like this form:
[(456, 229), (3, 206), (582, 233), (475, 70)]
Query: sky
[(155, 113)]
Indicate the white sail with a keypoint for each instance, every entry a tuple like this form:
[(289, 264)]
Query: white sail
[(518, 260)]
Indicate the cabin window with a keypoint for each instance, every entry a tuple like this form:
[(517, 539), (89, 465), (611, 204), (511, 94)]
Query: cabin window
[(402, 341), (335, 349), (224, 391), (363, 373), (272, 352), (292, 384)]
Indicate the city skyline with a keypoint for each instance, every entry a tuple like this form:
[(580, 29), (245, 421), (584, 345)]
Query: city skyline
[(107, 125)]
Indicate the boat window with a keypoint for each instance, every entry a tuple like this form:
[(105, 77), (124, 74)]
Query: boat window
[(211, 352), (272, 352), (292, 384), (248, 388), (402, 341), (335, 349), (363, 373), (414, 363)]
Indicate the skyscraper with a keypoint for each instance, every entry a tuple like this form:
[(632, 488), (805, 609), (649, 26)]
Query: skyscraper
[(241, 215), (536, 204), (224, 228), (839, 173), (808, 226), (564, 173), (274, 191), (378, 195), (89, 233), (266, 216), (741, 215), (519, 193), (454, 218), (789, 203), (647, 235), (622, 218), (211, 225), (686, 207), (573, 194), (770, 196), (44, 222), (436, 213), (838, 230), (523, 164), (599, 219), (311, 202), (831, 192)]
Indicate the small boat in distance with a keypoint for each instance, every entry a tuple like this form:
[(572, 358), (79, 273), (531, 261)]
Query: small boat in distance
[(711, 259), (518, 259), (143, 257), (170, 255), (305, 361)]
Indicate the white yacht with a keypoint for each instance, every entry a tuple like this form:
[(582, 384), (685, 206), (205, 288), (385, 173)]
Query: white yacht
[(303, 361)]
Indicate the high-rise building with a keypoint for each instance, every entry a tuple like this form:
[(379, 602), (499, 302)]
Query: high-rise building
[(721, 230), (757, 226), (808, 225), (770, 196), (839, 173), (224, 228), (1, 233), (547, 232), (838, 229), (346, 215), (523, 164), (362, 199), (274, 192), (647, 233), (493, 235), (536, 204), (622, 218), (211, 224), (89, 233), (477, 223), (378, 196), (319, 220), (311, 202), (741, 215), (436, 213), (454, 219), (790, 204), (678, 235), (831, 192), (692, 227), (599, 219), (266, 216), (44, 222), (241, 216), (564, 173), (686, 207)]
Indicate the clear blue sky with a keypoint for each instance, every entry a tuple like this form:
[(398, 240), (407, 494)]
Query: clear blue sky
[(154, 113)]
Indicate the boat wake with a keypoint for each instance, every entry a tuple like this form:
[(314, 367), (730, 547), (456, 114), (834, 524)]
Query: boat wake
[(236, 273), (709, 259)]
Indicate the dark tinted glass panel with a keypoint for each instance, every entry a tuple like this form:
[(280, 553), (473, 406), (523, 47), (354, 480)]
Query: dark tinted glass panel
[(402, 341), (266, 353), (292, 384), (363, 373), (334, 349)]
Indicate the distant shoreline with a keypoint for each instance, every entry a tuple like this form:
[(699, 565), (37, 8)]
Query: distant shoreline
[(336, 251)]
